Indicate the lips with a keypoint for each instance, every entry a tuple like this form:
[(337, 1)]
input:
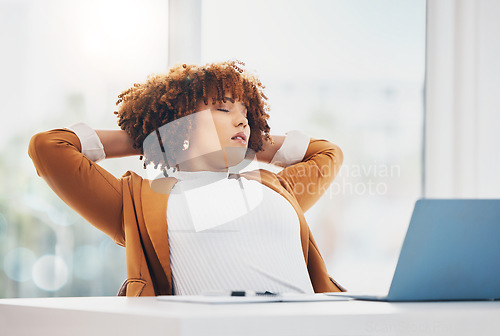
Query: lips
[(240, 136)]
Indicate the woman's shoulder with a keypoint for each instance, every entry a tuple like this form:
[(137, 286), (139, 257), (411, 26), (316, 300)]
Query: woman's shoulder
[(158, 186), (130, 174), (263, 176)]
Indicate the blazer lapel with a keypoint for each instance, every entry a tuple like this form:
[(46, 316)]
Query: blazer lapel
[(154, 206)]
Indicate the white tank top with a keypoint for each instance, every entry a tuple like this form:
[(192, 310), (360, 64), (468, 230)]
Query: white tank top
[(233, 234)]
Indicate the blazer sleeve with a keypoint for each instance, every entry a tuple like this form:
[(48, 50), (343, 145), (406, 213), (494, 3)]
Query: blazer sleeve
[(82, 184), (308, 179)]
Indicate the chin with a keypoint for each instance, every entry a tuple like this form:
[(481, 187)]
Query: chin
[(234, 155)]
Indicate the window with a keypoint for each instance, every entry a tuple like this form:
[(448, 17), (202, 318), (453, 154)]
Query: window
[(67, 61), (351, 72)]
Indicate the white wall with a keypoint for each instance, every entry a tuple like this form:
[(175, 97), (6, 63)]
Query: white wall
[(184, 25), (462, 155)]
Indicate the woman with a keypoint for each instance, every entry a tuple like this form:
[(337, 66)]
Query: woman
[(226, 231)]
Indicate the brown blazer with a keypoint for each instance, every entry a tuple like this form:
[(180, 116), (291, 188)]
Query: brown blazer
[(132, 210)]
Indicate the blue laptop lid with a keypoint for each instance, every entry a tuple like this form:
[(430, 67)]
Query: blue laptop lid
[(451, 252)]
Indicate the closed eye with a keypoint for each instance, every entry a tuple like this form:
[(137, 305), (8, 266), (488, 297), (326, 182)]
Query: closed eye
[(223, 110)]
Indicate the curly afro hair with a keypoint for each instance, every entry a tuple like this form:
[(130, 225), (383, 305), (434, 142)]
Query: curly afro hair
[(163, 98)]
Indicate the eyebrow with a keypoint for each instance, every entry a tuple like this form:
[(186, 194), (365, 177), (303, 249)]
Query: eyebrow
[(232, 101)]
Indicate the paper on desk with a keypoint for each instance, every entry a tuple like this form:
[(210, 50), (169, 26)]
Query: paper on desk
[(250, 299)]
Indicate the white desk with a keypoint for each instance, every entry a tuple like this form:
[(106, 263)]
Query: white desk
[(120, 316)]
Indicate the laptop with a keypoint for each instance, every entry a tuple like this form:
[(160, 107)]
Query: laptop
[(451, 252)]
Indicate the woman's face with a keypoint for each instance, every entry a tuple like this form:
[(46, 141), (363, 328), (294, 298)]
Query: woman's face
[(219, 138)]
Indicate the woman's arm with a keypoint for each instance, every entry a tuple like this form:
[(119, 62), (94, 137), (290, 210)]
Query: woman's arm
[(310, 165), (269, 150), (90, 190), (286, 150), (308, 179), (117, 143)]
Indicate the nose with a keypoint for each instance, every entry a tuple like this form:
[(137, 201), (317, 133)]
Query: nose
[(240, 120)]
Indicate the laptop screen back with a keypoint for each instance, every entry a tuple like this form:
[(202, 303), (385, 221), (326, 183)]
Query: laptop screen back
[(451, 252)]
